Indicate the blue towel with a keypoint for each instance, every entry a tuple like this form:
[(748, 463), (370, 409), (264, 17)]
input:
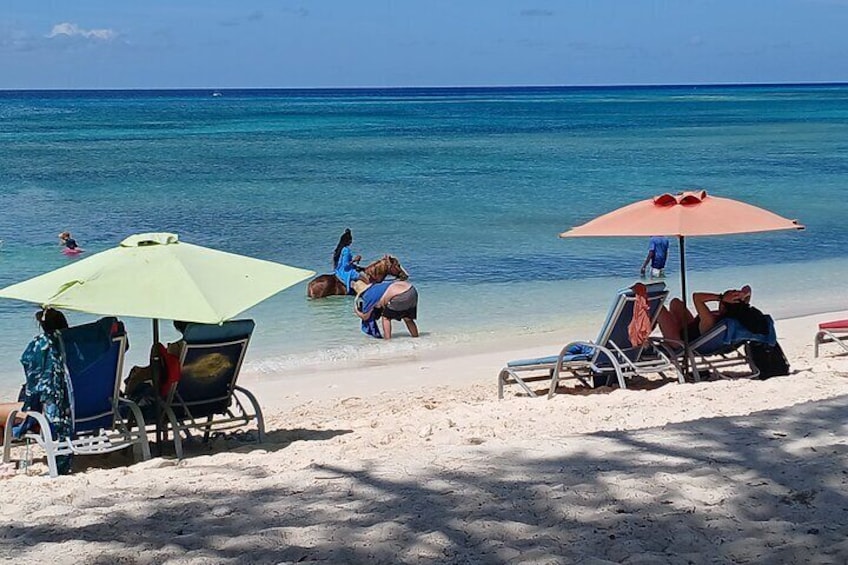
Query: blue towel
[(370, 327), (366, 301), (581, 349), (737, 333)]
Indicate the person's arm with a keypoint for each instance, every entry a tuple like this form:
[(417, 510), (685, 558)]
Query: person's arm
[(646, 261), (741, 295), (387, 328), (708, 318), (364, 316)]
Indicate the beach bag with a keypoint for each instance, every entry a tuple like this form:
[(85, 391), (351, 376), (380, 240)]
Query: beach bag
[(769, 360)]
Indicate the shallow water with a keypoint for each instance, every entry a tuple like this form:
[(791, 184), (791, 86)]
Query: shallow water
[(468, 187)]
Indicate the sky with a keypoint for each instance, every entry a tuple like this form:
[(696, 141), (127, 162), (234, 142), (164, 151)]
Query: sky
[(395, 43)]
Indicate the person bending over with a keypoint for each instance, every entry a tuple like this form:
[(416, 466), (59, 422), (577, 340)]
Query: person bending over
[(387, 301), (673, 319)]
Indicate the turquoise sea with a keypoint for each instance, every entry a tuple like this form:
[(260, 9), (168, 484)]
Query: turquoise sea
[(468, 187)]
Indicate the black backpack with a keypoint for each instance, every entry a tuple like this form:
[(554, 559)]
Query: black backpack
[(769, 360)]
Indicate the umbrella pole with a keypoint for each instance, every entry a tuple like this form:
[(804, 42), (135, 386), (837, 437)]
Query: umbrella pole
[(682, 242), (155, 366)]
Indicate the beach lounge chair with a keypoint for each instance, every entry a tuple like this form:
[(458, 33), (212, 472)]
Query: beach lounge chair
[(102, 421), (831, 332), (206, 396), (724, 349), (610, 358)]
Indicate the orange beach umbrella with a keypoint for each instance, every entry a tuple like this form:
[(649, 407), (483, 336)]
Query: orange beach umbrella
[(685, 214)]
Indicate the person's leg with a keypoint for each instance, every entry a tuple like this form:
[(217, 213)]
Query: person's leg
[(7, 408), (669, 325), (387, 328), (681, 314), (706, 317), (410, 325), (137, 376)]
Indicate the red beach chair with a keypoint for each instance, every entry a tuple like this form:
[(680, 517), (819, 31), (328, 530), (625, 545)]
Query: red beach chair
[(832, 332)]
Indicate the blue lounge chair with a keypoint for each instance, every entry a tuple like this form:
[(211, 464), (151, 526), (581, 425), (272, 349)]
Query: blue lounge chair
[(206, 396), (94, 356), (724, 349), (596, 363)]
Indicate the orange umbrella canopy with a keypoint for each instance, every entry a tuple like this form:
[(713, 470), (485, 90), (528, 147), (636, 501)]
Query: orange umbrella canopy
[(685, 214)]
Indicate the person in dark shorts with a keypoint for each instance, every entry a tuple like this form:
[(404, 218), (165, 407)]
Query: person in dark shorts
[(395, 300)]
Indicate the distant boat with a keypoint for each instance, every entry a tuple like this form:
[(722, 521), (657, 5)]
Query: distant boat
[(216, 94)]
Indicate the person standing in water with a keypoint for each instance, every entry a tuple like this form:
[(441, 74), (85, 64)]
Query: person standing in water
[(657, 256), (345, 263), (386, 301)]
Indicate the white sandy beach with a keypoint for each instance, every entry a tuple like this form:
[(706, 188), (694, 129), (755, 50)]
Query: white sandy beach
[(417, 461)]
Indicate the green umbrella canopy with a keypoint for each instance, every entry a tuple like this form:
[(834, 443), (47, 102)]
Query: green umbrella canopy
[(154, 275)]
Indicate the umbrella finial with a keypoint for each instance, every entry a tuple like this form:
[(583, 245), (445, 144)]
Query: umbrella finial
[(145, 239), (685, 198)]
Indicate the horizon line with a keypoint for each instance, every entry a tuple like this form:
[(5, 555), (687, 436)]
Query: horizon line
[(431, 87)]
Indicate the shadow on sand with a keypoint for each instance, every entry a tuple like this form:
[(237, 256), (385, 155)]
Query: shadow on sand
[(768, 488)]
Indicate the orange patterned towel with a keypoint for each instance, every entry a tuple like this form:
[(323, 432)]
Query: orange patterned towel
[(640, 326)]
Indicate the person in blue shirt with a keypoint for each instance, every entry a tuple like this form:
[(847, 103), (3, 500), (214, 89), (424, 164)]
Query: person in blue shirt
[(386, 301), (345, 263), (657, 256)]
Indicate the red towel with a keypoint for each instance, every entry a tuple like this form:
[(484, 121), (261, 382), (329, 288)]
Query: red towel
[(640, 326)]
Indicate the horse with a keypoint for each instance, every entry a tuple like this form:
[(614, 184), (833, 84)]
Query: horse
[(328, 285)]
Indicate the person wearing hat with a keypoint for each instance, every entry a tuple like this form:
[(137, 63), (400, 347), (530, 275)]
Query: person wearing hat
[(386, 301)]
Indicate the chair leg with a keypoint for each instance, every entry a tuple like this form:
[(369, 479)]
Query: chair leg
[(257, 411), (7, 437), (141, 447), (50, 450), (175, 429)]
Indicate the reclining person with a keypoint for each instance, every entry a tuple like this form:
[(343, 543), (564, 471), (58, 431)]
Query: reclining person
[(676, 317), (139, 384)]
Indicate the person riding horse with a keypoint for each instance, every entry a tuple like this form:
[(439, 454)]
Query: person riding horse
[(375, 272), (345, 263)]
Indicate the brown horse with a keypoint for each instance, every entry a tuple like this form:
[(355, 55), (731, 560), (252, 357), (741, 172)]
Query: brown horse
[(328, 285)]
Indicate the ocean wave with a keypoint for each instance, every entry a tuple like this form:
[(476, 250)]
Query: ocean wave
[(346, 355)]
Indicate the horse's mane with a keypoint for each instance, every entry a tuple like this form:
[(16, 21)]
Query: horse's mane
[(378, 270)]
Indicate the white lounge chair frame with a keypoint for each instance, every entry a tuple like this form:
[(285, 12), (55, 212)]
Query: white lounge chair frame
[(718, 364), (606, 359), (830, 335), (236, 416), (120, 436)]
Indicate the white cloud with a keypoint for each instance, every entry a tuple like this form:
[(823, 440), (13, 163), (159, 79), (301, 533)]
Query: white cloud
[(66, 29)]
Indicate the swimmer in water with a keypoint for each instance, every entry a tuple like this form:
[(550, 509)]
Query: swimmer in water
[(67, 241), (69, 244)]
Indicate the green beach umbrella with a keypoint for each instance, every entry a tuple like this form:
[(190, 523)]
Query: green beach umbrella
[(154, 275)]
